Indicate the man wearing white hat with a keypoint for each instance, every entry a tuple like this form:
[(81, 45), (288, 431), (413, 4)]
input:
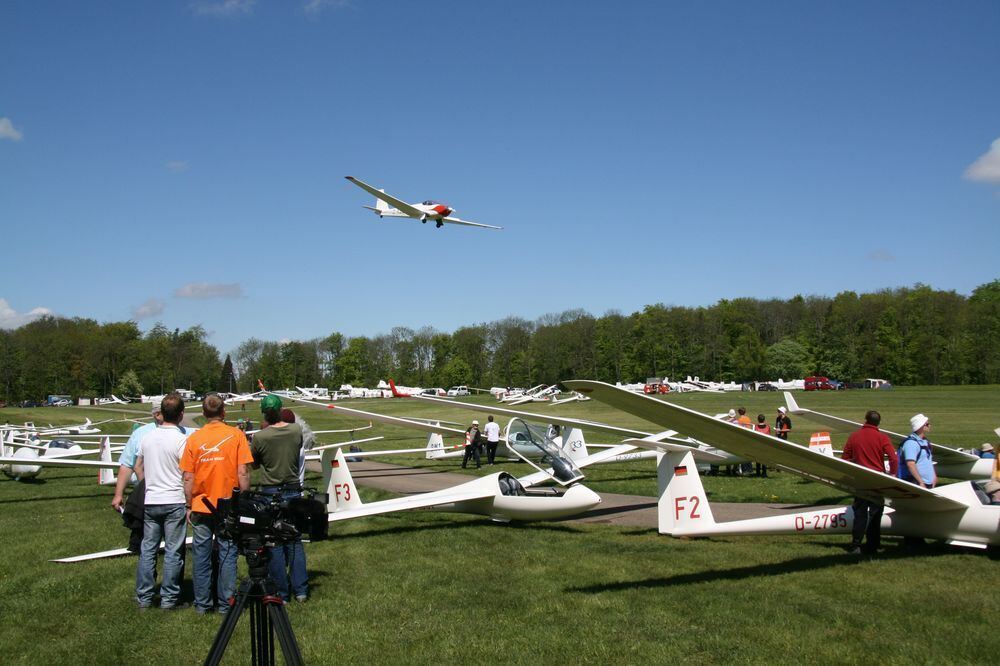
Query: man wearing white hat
[(782, 424), (916, 464), (473, 440), (986, 451)]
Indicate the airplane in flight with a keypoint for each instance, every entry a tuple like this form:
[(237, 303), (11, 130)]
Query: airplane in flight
[(955, 512), (389, 206)]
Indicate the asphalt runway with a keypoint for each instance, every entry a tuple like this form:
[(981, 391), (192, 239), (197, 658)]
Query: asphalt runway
[(625, 510)]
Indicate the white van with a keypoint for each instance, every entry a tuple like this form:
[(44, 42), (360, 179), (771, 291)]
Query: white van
[(456, 391)]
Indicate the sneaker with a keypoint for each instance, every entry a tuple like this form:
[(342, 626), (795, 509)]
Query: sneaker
[(301, 598), (854, 550), (179, 606)]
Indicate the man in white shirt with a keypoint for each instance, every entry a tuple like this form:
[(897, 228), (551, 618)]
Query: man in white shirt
[(158, 462), (492, 439)]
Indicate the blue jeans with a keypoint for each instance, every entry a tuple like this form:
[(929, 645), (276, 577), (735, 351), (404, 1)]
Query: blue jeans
[(291, 556), (204, 542), (166, 522)]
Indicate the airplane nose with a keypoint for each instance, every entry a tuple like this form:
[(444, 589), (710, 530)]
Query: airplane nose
[(581, 497)]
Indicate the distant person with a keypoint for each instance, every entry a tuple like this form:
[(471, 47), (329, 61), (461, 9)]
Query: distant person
[(744, 421), (276, 451), (761, 426), (492, 439), (473, 440), (133, 510), (158, 462), (215, 460), (986, 451), (782, 424), (916, 463), (869, 447)]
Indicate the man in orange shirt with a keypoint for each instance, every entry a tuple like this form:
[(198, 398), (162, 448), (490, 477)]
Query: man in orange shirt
[(215, 460)]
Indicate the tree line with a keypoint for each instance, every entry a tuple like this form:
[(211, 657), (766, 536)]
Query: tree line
[(911, 335)]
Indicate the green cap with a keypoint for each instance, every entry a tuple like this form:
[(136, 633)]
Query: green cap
[(270, 401)]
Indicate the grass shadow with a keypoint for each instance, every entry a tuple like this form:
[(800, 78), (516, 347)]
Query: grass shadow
[(801, 564)]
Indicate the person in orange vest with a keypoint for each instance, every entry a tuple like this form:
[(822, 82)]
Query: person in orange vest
[(762, 426)]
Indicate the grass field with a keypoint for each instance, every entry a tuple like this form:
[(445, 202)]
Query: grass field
[(432, 588)]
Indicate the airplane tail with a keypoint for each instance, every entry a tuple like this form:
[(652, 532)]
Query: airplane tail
[(395, 391), (793, 406), (381, 206), (435, 442), (574, 444), (107, 476), (683, 504), (341, 492)]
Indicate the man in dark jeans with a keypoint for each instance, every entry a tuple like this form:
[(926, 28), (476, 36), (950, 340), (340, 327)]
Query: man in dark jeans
[(473, 441), (276, 450), (869, 447)]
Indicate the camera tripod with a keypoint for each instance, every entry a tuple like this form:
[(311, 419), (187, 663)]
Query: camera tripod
[(267, 617)]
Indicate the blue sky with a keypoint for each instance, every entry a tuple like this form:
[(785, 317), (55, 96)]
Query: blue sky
[(184, 162)]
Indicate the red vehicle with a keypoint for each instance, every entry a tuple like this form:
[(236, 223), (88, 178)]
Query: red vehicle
[(654, 387), (819, 384)]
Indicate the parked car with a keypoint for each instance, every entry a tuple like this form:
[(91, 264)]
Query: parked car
[(456, 391), (821, 384)]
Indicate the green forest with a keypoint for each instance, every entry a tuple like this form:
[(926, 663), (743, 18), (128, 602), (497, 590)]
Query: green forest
[(911, 335)]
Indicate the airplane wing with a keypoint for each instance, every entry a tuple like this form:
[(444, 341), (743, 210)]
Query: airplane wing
[(422, 501), (841, 474), (56, 461), (540, 418), (455, 220), (117, 552), (383, 418), (389, 199), (944, 455)]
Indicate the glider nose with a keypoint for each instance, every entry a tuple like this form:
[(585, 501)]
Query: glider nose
[(581, 498)]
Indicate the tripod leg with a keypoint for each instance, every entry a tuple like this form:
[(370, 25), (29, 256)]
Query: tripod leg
[(286, 637), (225, 633)]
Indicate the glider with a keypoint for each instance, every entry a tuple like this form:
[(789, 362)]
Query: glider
[(389, 206), (955, 513)]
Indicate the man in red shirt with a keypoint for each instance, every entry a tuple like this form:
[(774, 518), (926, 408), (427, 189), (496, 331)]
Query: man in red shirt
[(869, 447)]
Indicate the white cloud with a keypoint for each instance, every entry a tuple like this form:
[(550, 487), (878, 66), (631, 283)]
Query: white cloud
[(7, 130), (881, 255), (314, 7), (224, 7), (151, 308), (986, 169), (177, 166), (11, 318), (209, 290)]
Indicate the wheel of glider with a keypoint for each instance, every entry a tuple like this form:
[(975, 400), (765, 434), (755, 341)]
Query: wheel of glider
[(440, 224)]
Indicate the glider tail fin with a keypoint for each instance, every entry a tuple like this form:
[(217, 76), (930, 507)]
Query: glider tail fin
[(574, 444), (341, 492), (395, 391), (793, 406), (381, 206), (107, 476), (683, 504), (435, 442)]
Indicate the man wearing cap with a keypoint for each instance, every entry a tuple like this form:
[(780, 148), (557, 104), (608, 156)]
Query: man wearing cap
[(276, 450), (214, 462), (916, 464), (133, 509), (782, 424), (869, 447), (473, 440)]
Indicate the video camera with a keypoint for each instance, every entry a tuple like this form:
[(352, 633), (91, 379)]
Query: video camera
[(251, 518)]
